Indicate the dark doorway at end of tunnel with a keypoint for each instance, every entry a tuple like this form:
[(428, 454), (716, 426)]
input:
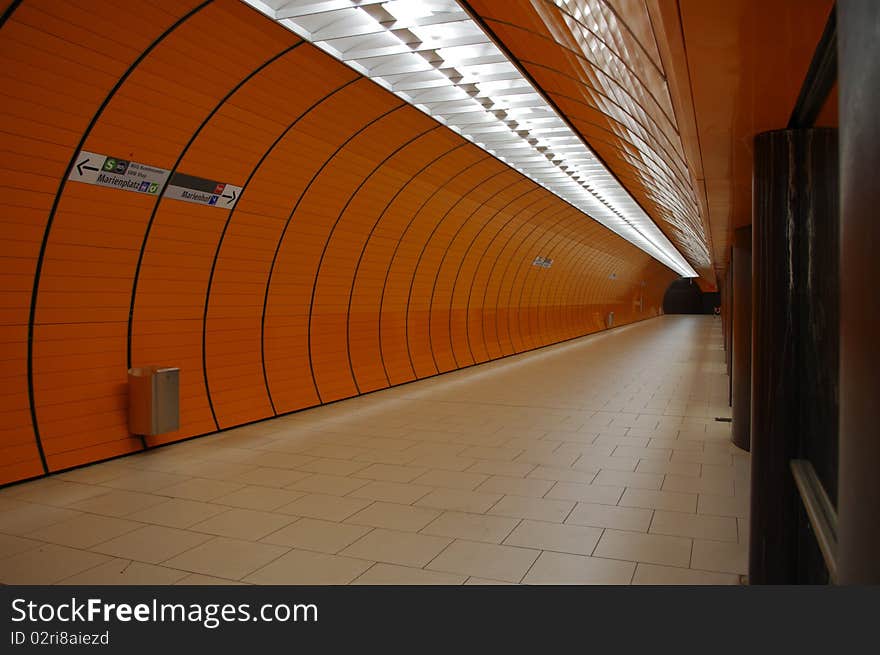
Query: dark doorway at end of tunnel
[(684, 296)]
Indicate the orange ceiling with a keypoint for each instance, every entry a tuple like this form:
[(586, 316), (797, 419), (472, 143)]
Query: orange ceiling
[(600, 65), (706, 76), (739, 65)]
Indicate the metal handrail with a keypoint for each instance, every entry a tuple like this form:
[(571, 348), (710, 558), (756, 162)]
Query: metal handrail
[(820, 511)]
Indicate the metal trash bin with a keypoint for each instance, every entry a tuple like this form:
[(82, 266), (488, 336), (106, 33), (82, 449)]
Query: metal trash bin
[(153, 400), (609, 320)]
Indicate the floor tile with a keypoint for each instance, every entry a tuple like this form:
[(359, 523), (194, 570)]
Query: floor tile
[(556, 460), (118, 503), (226, 558), (47, 564), (452, 479), (177, 513), (472, 527), (485, 581), (499, 454), (699, 485), (201, 489), (586, 493), (495, 467), (270, 477), (96, 473), (197, 579), (301, 567), (443, 462), (655, 574), (610, 516), (539, 509), (532, 487), (701, 457), (391, 472), (20, 518), (596, 462), (555, 536), (285, 460), (507, 563), (626, 479), (719, 528), (562, 475), (391, 492), (151, 543), (320, 506), (333, 485), (640, 547), (391, 574), (394, 516), (312, 534), (677, 468), (246, 524), (261, 498), (672, 501), (400, 458), (84, 531), (11, 545), (126, 572), (642, 453), (720, 556), (393, 547), (329, 466), (562, 568), (146, 481), (60, 493), (737, 506), (458, 500)]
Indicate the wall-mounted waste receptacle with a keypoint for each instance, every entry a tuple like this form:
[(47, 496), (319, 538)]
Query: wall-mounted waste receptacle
[(153, 400)]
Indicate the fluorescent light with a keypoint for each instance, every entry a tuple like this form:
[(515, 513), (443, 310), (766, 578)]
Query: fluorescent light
[(434, 56)]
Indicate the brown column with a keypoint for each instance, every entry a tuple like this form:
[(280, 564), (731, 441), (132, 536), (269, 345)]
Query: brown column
[(794, 393), (859, 490), (741, 378)]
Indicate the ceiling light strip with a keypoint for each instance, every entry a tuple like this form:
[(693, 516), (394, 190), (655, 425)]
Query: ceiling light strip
[(431, 54)]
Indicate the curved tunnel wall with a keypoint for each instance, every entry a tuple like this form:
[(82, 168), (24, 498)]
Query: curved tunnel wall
[(369, 246)]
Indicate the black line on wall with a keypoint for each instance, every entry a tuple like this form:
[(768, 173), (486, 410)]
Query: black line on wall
[(149, 228), (452, 290), (486, 157), (9, 11), (525, 265), (475, 189), (348, 202), (299, 200), (534, 218), (480, 261), (467, 251), (820, 78), (51, 219), (256, 168), (364, 249)]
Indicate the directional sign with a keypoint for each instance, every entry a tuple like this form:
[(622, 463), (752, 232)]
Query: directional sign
[(102, 170), (202, 191)]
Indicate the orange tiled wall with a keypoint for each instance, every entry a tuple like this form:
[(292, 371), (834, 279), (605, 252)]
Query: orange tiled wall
[(370, 246)]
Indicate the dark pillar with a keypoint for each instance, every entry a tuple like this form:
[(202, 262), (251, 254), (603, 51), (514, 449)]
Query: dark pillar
[(741, 378), (859, 491), (793, 318), (728, 345)]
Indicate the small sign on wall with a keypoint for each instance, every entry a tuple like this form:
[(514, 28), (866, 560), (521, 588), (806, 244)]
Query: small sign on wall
[(116, 173), (542, 262)]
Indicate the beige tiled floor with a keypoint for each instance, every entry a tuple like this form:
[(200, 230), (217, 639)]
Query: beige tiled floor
[(597, 461)]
